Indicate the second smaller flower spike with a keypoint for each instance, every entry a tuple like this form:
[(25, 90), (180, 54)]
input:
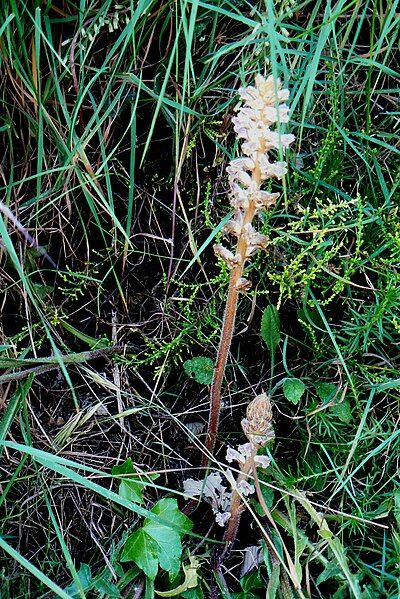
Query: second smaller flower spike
[(257, 426)]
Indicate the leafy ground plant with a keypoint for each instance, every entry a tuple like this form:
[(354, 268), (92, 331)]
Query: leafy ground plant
[(116, 134)]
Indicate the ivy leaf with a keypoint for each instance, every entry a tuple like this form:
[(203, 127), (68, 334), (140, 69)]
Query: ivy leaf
[(141, 549), (169, 546), (157, 544), (85, 578), (129, 488), (201, 369), (270, 328), (168, 510), (293, 390), (106, 587)]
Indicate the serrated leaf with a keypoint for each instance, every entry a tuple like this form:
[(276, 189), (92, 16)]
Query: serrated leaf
[(129, 488), (270, 328), (251, 581), (331, 570), (274, 582), (293, 390), (201, 369), (325, 391), (343, 411)]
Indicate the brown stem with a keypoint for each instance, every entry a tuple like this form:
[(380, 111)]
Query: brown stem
[(220, 364), (227, 331), (237, 507)]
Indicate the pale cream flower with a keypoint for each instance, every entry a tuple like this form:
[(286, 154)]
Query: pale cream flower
[(269, 90), (227, 256), (235, 224), (276, 140), (262, 460), (240, 164), (264, 199), (270, 170), (239, 197), (234, 455), (255, 241), (243, 285), (214, 492), (221, 518), (263, 106), (243, 452), (245, 488), (240, 454)]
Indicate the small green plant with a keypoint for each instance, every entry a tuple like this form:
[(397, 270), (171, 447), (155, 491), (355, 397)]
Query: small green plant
[(158, 542), (200, 369)]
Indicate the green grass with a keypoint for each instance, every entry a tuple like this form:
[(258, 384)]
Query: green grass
[(114, 149)]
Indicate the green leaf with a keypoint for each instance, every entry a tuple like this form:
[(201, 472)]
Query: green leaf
[(252, 581), (325, 391), (156, 544), (325, 533), (331, 570), (4, 347), (293, 390), (168, 510), (129, 488), (109, 589), (268, 495), (85, 578), (201, 369), (141, 549), (274, 582), (343, 411), (270, 328), (169, 546), (396, 507), (196, 593)]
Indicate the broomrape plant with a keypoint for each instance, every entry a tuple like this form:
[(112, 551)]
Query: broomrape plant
[(263, 106)]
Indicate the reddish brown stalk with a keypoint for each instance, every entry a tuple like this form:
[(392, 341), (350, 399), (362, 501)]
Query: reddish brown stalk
[(227, 331)]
